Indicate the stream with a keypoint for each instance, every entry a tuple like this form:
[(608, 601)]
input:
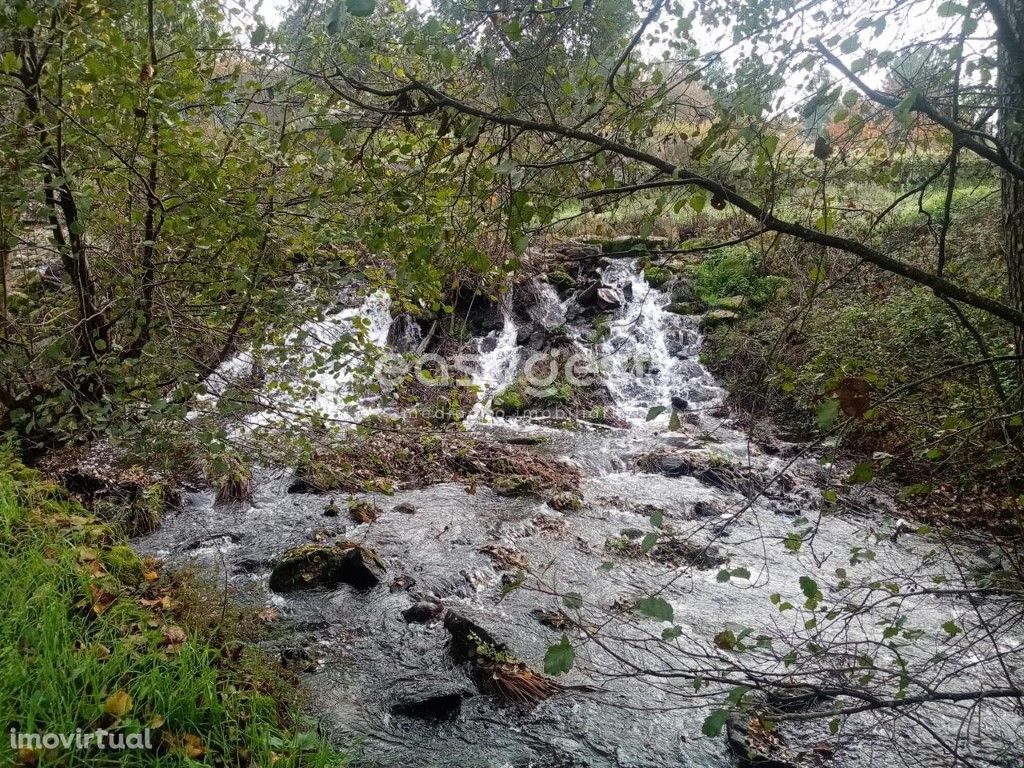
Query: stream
[(365, 666)]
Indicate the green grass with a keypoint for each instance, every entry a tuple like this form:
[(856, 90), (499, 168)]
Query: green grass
[(90, 639)]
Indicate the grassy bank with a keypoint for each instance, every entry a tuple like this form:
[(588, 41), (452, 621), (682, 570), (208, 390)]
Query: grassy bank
[(92, 637)]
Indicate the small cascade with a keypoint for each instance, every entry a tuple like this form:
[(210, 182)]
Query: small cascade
[(497, 362), (405, 334), (548, 310), (650, 354), (337, 389), (358, 333)]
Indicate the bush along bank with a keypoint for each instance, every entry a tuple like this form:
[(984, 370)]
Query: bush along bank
[(106, 661), (890, 371)]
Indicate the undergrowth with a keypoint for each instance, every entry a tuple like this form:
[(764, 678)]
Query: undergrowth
[(92, 637)]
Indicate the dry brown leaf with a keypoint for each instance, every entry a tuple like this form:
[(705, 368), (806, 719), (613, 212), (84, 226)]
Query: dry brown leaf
[(854, 395), (174, 635), (101, 599)]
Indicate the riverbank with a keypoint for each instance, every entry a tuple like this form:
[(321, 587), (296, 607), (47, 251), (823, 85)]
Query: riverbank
[(100, 643)]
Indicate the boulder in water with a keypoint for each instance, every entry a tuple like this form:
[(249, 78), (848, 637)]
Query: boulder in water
[(566, 501), (440, 705), (364, 511), (600, 296), (679, 403), (318, 566), (422, 612)]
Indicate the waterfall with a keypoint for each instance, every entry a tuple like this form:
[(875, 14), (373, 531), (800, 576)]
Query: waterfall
[(335, 349), (364, 331), (497, 361), (650, 354)]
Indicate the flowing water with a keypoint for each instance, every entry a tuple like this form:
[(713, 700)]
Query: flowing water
[(368, 659)]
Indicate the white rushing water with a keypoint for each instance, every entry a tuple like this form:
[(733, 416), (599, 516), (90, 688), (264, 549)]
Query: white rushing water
[(650, 354), (497, 361)]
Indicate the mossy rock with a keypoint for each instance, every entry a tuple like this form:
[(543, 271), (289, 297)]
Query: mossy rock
[(561, 280), (317, 566), (682, 308), (717, 317), (628, 243), (363, 511), (124, 564), (516, 485), (510, 400), (734, 303), (566, 501), (657, 277)]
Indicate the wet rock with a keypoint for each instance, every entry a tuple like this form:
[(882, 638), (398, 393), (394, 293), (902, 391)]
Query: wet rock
[(680, 403), (554, 619), (404, 508), (600, 296), (405, 333), (515, 485), (709, 509), (679, 551), (753, 746), (443, 705), (402, 583), (364, 511), (317, 566), (422, 612), (504, 557), (299, 659), (466, 637), (566, 501), (527, 440)]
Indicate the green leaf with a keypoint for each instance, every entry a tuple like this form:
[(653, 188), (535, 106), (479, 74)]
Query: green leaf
[(259, 34), (656, 608), (827, 414), (360, 8), (27, 17), (337, 133), (951, 628), (862, 473), (673, 422), (671, 633), (657, 518), (793, 542), (714, 722), (723, 576), (573, 600), (741, 573), (559, 657), (655, 412), (335, 17), (809, 587), (648, 542)]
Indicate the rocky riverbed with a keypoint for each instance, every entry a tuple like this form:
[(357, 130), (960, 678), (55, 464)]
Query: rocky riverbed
[(660, 546)]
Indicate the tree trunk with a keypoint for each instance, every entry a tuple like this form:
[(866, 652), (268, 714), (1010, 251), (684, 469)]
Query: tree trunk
[(1011, 134)]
